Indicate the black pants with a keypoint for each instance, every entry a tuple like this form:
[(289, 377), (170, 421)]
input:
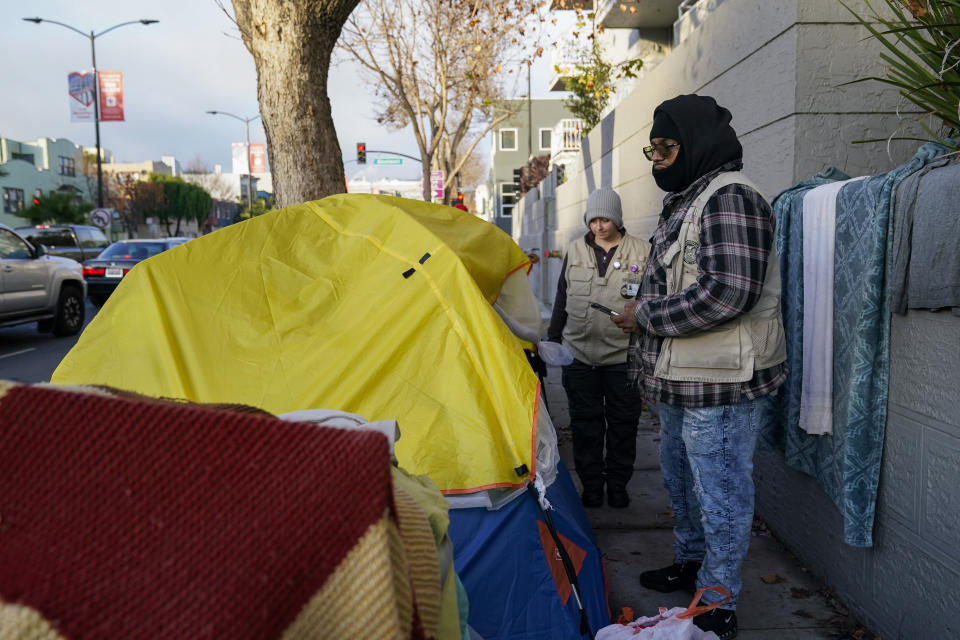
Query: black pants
[(604, 412)]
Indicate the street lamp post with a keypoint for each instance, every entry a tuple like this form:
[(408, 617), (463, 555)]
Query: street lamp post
[(246, 124), (96, 84)]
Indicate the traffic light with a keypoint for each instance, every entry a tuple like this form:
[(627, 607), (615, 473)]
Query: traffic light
[(517, 177), (460, 197), (361, 153)]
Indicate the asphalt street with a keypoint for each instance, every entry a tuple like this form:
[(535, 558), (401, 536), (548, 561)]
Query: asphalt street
[(26, 355)]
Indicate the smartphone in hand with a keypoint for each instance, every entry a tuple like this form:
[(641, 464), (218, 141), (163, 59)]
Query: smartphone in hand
[(606, 310)]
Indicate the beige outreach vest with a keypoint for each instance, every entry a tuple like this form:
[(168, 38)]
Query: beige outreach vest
[(589, 333), (734, 350)]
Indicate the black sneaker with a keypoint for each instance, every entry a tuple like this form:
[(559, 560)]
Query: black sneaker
[(678, 576), (592, 498), (722, 622)]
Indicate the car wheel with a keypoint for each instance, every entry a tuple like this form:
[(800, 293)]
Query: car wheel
[(98, 300), (70, 312)]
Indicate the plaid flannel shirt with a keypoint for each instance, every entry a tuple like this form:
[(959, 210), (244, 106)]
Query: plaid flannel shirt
[(736, 235)]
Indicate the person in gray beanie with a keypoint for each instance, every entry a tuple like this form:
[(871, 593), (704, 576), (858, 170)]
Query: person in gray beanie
[(602, 267)]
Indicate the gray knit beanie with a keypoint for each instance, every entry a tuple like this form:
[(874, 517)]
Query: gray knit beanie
[(604, 203)]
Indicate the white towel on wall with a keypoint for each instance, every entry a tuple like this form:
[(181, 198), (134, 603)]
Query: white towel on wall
[(819, 233)]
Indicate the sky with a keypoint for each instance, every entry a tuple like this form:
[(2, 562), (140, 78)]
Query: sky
[(190, 62)]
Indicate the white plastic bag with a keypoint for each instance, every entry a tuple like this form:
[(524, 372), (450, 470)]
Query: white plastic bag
[(670, 624), (554, 353)]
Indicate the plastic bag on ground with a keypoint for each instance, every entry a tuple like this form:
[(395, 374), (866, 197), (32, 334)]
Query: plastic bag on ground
[(669, 624), (554, 353)]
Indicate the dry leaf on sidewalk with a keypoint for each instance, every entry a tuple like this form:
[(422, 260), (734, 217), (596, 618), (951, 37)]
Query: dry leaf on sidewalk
[(773, 578)]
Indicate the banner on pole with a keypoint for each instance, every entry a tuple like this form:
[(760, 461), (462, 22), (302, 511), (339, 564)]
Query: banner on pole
[(80, 87), (111, 96), (82, 94), (238, 154), (258, 157)]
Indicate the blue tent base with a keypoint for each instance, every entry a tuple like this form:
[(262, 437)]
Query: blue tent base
[(500, 558)]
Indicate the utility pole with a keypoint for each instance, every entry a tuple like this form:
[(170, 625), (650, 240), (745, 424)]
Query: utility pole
[(246, 124), (529, 115)]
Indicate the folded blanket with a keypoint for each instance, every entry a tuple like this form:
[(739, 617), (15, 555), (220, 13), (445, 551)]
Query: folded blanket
[(122, 518)]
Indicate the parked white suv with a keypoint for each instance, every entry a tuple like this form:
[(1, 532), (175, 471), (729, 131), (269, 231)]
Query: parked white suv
[(36, 287)]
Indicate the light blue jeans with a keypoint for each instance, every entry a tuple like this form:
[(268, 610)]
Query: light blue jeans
[(706, 455)]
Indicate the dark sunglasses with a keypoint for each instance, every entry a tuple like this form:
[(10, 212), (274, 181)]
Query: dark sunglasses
[(662, 149)]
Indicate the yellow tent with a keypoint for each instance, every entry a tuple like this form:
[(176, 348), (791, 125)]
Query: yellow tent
[(374, 305)]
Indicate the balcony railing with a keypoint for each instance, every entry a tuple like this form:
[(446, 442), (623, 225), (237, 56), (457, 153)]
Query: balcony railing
[(692, 14), (566, 138)]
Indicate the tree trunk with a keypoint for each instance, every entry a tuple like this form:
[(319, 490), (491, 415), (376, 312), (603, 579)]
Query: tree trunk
[(291, 43)]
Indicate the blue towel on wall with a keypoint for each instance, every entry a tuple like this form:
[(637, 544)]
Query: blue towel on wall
[(846, 464)]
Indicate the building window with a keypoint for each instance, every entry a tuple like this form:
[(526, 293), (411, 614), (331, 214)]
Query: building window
[(28, 157), (68, 166), (508, 198), (546, 139), (508, 139), (12, 200)]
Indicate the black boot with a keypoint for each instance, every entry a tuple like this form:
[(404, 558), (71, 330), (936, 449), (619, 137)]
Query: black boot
[(617, 497), (592, 496)]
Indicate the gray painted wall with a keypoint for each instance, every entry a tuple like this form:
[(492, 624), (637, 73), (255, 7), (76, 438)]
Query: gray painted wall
[(544, 114), (902, 587), (779, 66)]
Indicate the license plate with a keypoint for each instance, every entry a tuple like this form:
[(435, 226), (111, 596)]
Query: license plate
[(114, 272)]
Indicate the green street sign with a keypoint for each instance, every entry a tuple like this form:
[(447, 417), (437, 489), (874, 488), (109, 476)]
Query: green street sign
[(388, 161)]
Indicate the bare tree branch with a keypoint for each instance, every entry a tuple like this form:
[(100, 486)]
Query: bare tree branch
[(438, 66)]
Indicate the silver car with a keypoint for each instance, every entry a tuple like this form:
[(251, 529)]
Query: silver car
[(36, 287)]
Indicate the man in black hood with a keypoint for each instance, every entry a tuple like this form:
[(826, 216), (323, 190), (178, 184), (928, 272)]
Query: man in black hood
[(707, 346)]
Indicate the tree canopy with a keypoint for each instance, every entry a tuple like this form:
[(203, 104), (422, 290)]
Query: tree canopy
[(61, 207), (181, 201)]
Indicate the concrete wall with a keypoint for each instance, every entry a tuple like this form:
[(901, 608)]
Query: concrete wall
[(902, 587), (779, 67)]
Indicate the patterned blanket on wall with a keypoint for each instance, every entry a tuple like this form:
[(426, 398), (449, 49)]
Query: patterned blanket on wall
[(847, 463), (145, 519)]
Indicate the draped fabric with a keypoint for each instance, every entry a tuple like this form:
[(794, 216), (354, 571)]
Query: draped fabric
[(925, 265), (788, 212), (847, 464)]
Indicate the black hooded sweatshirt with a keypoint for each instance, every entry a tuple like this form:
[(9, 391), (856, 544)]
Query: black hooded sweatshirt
[(707, 141)]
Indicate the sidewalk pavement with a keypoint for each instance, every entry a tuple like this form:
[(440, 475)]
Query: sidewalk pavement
[(779, 598)]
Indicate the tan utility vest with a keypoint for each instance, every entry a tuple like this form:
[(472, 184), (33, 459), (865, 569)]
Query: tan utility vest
[(589, 333), (734, 350)]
